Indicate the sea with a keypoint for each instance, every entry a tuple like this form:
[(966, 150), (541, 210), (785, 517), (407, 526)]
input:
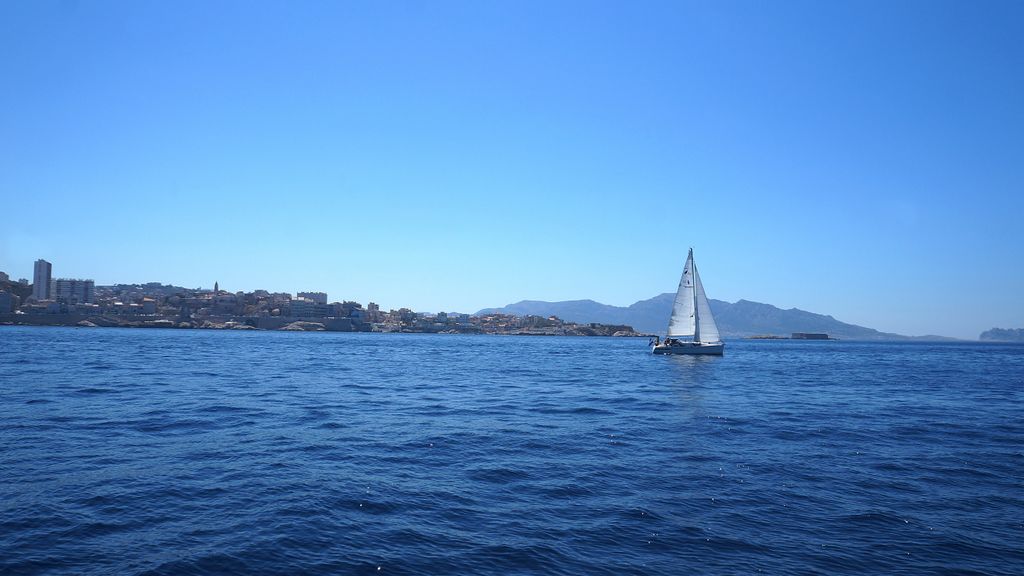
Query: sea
[(146, 451)]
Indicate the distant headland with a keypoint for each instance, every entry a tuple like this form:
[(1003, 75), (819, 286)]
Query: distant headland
[(1003, 335)]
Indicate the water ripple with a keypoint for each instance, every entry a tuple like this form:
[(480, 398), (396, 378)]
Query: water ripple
[(198, 452)]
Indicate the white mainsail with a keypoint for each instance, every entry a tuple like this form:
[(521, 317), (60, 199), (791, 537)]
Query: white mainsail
[(683, 323), (707, 330)]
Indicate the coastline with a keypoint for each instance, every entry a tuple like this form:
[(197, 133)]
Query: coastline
[(291, 324)]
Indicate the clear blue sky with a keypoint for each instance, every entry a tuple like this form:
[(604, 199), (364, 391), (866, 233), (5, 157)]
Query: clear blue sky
[(861, 159)]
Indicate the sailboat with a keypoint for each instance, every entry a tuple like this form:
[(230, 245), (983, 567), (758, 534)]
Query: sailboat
[(691, 329)]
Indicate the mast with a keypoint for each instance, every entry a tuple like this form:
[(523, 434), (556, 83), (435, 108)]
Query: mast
[(696, 313)]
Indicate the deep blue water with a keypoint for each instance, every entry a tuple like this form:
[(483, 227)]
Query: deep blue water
[(177, 452)]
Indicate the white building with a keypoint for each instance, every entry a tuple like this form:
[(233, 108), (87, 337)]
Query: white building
[(73, 291), (318, 297), (41, 280), (306, 308)]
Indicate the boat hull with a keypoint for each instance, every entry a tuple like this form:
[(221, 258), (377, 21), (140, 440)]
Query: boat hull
[(690, 348)]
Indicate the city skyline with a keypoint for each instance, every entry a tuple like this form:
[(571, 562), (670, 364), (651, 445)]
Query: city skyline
[(862, 162)]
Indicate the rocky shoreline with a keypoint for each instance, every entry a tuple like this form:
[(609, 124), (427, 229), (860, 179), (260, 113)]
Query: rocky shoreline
[(297, 325)]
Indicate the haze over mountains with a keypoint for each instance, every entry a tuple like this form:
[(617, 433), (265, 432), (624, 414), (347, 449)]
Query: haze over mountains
[(735, 320)]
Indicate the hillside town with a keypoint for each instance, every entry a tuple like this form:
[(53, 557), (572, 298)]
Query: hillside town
[(79, 302)]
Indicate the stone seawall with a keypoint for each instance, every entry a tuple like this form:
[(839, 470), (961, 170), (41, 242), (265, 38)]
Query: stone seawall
[(74, 319), (330, 324)]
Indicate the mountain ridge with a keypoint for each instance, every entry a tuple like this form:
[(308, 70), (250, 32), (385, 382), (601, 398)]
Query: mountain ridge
[(739, 319)]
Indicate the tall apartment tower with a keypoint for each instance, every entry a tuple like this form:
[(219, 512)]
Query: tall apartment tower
[(41, 280)]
